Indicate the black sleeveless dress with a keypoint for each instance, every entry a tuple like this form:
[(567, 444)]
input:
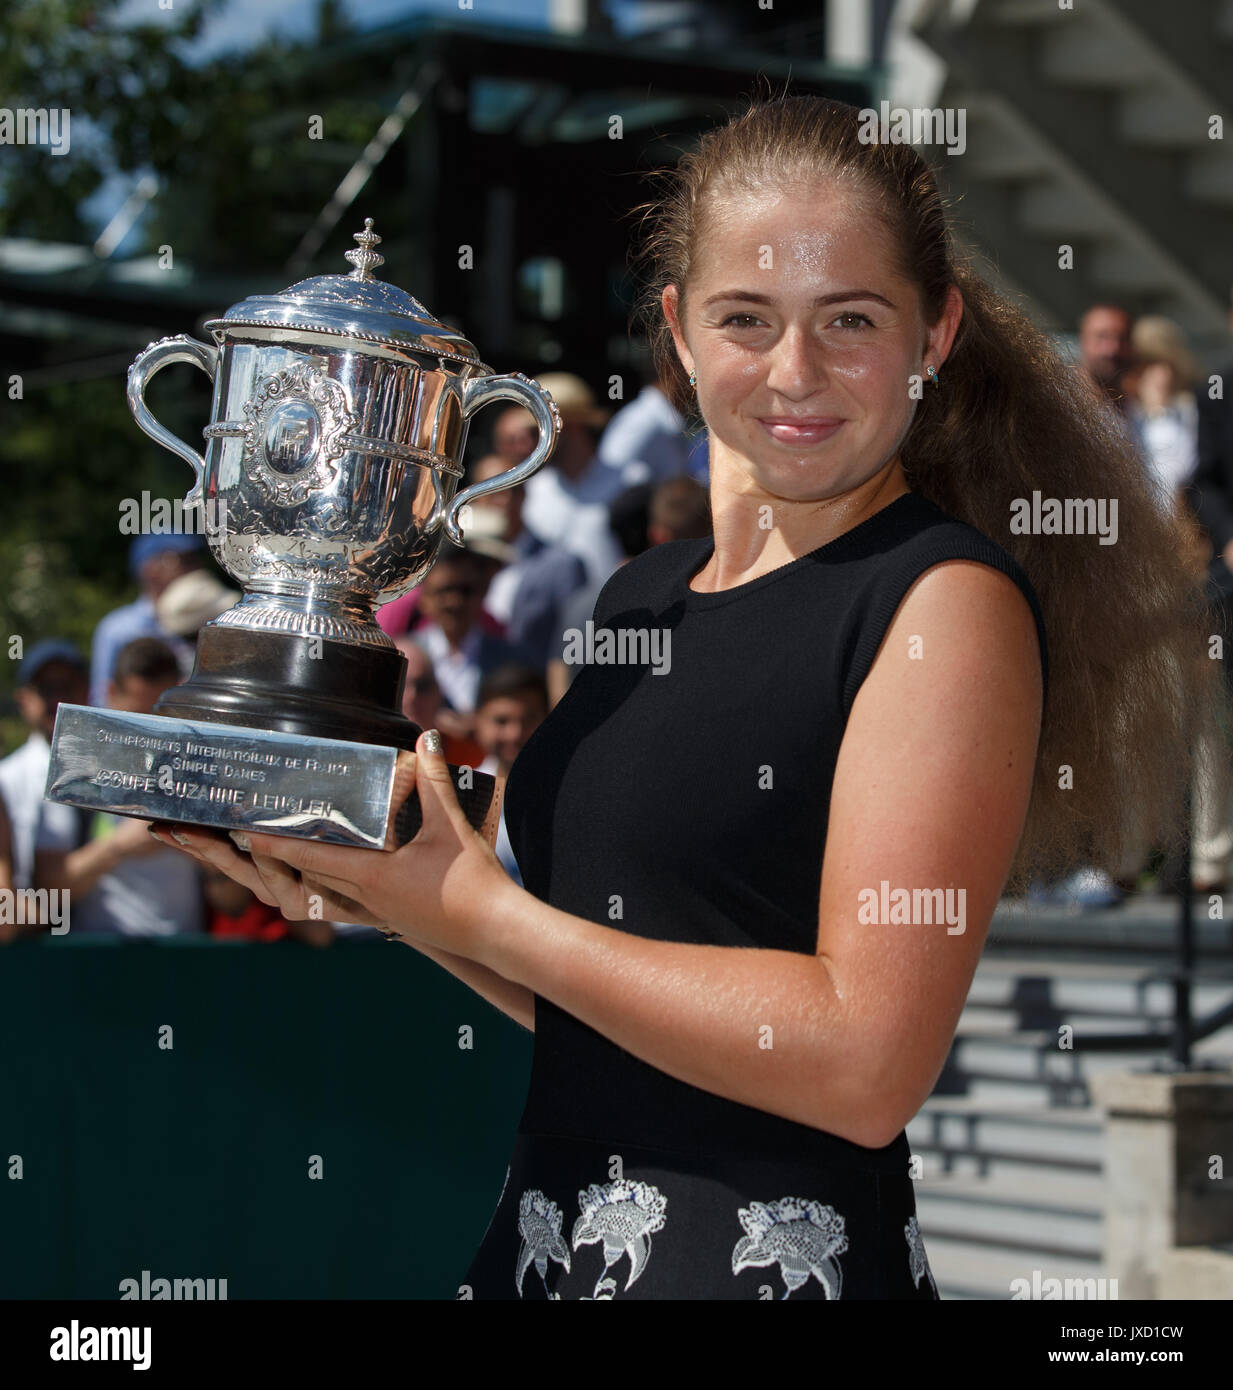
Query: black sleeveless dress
[(643, 802)]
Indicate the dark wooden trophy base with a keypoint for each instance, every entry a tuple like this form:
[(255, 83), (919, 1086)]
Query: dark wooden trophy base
[(273, 681)]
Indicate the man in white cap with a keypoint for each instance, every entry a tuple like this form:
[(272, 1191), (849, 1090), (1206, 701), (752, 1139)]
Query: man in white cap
[(154, 562), (188, 603), (566, 502)]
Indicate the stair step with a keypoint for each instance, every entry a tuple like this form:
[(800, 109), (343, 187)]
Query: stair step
[(1164, 115), (989, 1018), (1043, 1209), (1083, 51), (1142, 927), (1035, 1056), (1015, 1137), (1095, 989), (1088, 1025), (1053, 1191), (997, 1229), (1023, 13), (984, 1272), (990, 1088), (1209, 177)]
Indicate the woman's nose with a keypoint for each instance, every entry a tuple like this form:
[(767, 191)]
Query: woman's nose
[(797, 367)]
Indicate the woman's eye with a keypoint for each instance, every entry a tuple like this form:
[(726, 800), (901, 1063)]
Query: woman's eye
[(849, 320)]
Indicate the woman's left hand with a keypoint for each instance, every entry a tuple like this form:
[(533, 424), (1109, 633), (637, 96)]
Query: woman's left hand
[(438, 889)]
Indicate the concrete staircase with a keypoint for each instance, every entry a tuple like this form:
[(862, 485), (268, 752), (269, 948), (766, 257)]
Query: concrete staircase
[(1010, 1145), (1089, 127)]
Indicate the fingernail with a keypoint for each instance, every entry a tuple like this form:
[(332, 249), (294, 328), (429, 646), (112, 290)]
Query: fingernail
[(241, 840), (432, 741), (178, 838), (154, 833)]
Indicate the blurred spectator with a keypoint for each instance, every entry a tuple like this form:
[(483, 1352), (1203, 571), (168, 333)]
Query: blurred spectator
[(421, 703), (1210, 495), (52, 672), (120, 881), (1161, 403), (154, 562), (405, 614), (1211, 486), (513, 701), (515, 435), (566, 500), (640, 517), (645, 441), (462, 652), (527, 594), (192, 600), (1106, 352)]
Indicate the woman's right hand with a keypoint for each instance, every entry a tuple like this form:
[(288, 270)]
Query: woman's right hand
[(216, 852)]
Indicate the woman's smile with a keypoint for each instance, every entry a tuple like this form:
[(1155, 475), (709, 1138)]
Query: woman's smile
[(814, 429)]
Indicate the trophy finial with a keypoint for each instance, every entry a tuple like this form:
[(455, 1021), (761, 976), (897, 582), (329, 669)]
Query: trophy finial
[(365, 260)]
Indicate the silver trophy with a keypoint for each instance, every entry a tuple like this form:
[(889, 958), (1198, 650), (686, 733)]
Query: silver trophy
[(340, 414)]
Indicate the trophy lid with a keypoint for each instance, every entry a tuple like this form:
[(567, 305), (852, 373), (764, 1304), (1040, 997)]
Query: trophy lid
[(349, 306)]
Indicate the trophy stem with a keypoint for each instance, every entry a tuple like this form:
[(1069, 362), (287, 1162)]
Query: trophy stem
[(309, 686), (300, 612)]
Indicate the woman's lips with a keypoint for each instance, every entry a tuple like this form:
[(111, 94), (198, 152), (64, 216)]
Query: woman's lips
[(807, 431)]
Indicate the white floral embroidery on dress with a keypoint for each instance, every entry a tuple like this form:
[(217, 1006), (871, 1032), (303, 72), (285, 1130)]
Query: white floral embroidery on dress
[(622, 1214), (916, 1254), (800, 1235), (539, 1225)]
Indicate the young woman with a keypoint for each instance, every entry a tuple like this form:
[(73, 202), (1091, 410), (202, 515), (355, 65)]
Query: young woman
[(759, 870)]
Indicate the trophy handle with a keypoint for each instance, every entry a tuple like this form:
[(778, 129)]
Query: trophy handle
[(512, 386), (154, 359)]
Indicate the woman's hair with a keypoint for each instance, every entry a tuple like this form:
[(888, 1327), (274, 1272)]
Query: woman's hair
[(1135, 696)]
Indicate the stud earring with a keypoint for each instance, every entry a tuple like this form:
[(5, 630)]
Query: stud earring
[(693, 380), (932, 373)]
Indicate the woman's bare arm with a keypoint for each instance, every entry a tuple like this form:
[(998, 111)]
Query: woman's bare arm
[(515, 1001)]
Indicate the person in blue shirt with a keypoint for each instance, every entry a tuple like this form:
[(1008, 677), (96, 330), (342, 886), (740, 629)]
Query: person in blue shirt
[(154, 561)]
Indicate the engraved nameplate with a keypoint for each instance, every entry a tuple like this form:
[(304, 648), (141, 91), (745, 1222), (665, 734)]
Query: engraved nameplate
[(221, 775)]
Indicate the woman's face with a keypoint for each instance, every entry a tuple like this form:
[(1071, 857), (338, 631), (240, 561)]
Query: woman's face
[(804, 338)]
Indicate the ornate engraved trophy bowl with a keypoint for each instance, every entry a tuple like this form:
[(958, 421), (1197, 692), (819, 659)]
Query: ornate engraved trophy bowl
[(340, 416)]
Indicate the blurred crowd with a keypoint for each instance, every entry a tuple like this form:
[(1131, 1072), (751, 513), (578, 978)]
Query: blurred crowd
[(483, 633)]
